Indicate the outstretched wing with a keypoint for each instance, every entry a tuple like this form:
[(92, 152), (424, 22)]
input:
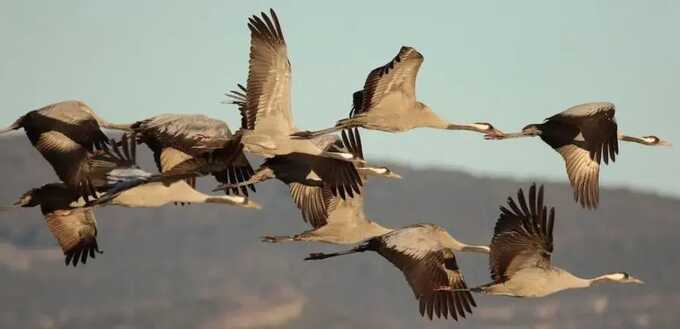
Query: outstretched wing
[(319, 205), (192, 134), (121, 155), (522, 236), (598, 127), (198, 145), (73, 119), (240, 98), (397, 76), (76, 232), (314, 203), (584, 174), (268, 96), (239, 170), (351, 140), (427, 267), (68, 159)]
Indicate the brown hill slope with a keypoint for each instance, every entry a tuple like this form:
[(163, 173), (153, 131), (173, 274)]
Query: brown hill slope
[(188, 267)]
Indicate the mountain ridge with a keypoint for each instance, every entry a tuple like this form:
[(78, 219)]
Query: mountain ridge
[(204, 266)]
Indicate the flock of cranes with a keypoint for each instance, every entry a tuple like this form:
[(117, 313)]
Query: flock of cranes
[(326, 174)]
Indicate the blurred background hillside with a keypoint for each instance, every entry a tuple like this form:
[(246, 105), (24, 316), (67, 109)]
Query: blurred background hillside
[(204, 267)]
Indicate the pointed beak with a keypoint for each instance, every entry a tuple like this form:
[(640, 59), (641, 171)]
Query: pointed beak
[(636, 280), (665, 143), (251, 204), (498, 135), (394, 175)]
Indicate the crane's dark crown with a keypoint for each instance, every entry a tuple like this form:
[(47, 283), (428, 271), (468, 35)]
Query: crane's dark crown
[(488, 125), (532, 129), (29, 199), (654, 139)]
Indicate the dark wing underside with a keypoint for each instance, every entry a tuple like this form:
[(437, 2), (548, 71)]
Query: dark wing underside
[(425, 275), (598, 127), (238, 171), (72, 119), (65, 135), (314, 203), (76, 232), (338, 176), (522, 236), (68, 159), (351, 141), (239, 97)]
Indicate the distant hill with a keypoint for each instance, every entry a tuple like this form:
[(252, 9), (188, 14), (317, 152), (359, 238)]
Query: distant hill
[(204, 267)]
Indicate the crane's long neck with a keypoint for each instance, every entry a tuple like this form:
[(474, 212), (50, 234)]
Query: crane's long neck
[(633, 139), (476, 248), (605, 278), (108, 125), (117, 126), (376, 229), (574, 282), (460, 246), (234, 200), (466, 126), (432, 120)]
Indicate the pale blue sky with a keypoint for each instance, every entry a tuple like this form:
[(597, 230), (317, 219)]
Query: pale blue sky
[(506, 62)]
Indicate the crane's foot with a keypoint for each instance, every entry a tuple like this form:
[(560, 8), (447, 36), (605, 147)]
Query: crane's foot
[(306, 134), (276, 238), (318, 255), (497, 135)]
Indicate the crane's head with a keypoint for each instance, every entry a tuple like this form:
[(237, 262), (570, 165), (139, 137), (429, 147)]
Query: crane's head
[(29, 199), (486, 128), (656, 141), (528, 131), (623, 277), (378, 171), (532, 130)]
